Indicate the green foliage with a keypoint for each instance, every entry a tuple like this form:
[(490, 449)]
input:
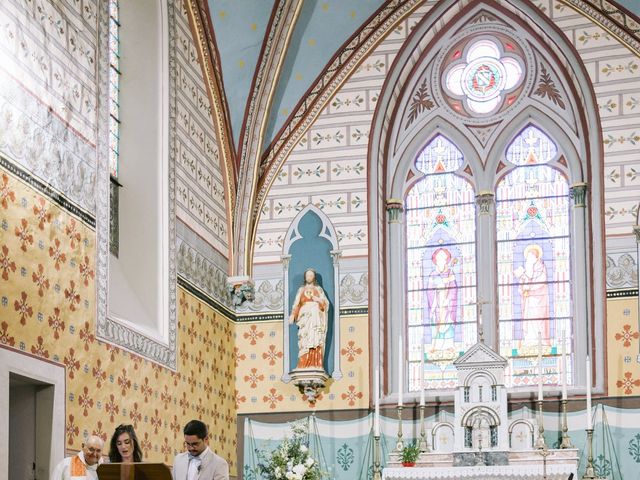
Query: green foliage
[(292, 459), (410, 453)]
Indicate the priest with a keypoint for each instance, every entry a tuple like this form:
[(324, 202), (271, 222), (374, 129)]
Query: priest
[(82, 466)]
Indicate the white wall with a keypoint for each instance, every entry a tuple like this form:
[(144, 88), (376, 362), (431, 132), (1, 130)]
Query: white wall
[(138, 283)]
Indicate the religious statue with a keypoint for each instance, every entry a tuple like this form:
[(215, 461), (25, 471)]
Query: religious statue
[(442, 296), (534, 291), (309, 312)]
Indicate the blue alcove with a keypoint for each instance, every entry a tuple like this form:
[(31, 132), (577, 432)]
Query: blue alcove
[(311, 243)]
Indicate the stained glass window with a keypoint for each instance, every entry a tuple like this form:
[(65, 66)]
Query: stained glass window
[(483, 76), (534, 270), (441, 273), (114, 86)]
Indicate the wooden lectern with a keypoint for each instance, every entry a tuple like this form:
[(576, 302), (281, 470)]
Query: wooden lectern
[(134, 471)]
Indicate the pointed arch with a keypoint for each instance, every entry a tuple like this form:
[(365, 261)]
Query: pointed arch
[(573, 118), (311, 237)]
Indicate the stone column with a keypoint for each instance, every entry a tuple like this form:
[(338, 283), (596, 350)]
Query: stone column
[(396, 301), (336, 374), (487, 293), (580, 297), (286, 378)]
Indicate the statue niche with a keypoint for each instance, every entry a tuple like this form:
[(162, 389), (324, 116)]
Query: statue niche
[(310, 262)]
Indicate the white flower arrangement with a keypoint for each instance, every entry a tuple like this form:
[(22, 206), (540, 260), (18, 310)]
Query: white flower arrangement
[(292, 459)]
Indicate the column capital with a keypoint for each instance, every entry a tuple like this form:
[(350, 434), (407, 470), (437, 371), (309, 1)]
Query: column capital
[(578, 192), (485, 200), (285, 261), (395, 207)]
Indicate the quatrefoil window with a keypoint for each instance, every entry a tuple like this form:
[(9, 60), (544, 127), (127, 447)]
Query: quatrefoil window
[(483, 77)]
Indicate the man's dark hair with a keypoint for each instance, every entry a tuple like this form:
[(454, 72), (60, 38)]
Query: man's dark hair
[(197, 428)]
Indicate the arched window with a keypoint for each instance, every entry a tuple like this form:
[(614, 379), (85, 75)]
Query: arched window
[(533, 258), (114, 86), (495, 150), (441, 267)]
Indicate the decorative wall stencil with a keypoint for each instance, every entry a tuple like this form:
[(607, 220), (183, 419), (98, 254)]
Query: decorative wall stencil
[(38, 140), (268, 297), (623, 346), (255, 340), (200, 197), (615, 81), (354, 290), (50, 48), (420, 102), (622, 271), (48, 310), (202, 272), (546, 88)]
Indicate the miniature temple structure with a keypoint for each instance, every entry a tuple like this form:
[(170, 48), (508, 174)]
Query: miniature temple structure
[(482, 443)]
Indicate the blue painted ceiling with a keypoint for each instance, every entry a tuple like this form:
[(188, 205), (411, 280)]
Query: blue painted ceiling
[(239, 27)]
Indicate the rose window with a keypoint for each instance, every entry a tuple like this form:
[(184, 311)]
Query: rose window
[(484, 76)]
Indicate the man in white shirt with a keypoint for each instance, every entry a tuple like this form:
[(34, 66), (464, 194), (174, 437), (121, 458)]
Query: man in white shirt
[(198, 462), (82, 466)]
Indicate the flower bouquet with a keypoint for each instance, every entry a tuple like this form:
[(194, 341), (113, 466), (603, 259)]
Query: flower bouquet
[(291, 460)]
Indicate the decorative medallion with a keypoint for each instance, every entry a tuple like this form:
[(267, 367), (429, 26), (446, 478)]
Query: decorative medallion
[(482, 74)]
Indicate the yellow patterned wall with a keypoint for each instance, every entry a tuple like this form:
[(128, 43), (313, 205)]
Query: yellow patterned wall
[(47, 290), (259, 368), (623, 347)]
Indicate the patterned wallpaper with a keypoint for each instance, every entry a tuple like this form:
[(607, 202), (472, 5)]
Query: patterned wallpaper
[(48, 51), (199, 183), (615, 72), (48, 310), (259, 366), (623, 346)]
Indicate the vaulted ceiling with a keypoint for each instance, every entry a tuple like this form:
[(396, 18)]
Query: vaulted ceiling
[(271, 64), (239, 28)]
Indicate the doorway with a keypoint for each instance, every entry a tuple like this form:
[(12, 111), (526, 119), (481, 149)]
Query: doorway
[(30, 418)]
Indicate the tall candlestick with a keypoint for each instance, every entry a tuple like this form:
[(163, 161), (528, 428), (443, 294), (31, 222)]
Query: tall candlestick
[(539, 366), (422, 375), (376, 403), (400, 377), (564, 365), (588, 373)]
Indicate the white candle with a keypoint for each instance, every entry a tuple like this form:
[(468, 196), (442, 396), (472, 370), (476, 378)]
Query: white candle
[(539, 367), (400, 378), (589, 420), (376, 411), (422, 375), (564, 365)]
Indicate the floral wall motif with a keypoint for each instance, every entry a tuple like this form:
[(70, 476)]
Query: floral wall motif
[(258, 359), (623, 346), (48, 309)]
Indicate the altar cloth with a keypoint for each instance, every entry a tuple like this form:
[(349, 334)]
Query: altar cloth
[(495, 472)]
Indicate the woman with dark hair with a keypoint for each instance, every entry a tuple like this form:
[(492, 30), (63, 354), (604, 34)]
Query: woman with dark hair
[(125, 447)]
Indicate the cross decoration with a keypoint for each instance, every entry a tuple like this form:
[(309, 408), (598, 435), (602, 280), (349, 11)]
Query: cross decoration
[(479, 303)]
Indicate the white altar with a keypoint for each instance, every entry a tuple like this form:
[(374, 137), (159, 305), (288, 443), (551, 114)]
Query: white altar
[(496, 472), (481, 443)]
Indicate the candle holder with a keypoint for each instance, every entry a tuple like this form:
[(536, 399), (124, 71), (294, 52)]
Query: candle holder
[(540, 443), (566, 440), (377, 455), (589, 472), (400, 442), (424, 443)]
